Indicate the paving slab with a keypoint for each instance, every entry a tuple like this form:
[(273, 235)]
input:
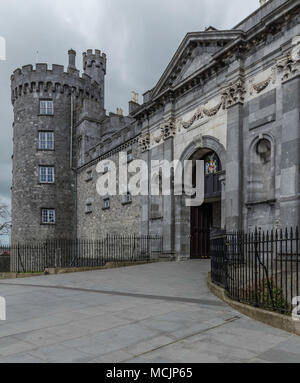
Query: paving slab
[(156, 313)]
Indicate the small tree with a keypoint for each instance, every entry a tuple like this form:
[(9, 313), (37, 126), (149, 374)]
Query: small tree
[(5, 222)]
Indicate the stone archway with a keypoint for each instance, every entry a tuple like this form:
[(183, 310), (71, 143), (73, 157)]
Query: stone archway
[(198, 148)]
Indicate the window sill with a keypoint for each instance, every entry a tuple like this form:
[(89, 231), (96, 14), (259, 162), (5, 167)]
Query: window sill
[(106, 208), (267, 201), (45, 115), (156, 218), (89, 180), (127, 203), (46, 183), (46, 150), (48, 224)]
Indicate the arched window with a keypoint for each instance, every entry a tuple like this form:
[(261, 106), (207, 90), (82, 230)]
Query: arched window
[(211, 164), (261, 180)]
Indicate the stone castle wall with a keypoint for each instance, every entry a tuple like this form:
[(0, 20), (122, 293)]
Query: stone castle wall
[(247, 94), (121, 218)]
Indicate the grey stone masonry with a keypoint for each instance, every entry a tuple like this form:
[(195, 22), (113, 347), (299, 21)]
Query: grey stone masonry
[(230, 98), (290, 160)]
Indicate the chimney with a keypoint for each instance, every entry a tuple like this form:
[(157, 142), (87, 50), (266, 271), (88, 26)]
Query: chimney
[(119, 112), (72, 59), (134, 102), (262, 2), (135, 97)]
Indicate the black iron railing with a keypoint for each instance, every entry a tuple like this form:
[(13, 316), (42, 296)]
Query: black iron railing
[(4, 258), (63, 253), (260, 268), (4, 250)]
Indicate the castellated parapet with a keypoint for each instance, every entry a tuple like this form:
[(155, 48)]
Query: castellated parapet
[(56, 80)]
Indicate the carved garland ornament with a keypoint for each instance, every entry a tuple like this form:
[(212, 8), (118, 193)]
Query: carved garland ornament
[(202, 112), (260, 86)]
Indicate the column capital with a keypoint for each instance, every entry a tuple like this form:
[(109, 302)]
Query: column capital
[(234, 93)]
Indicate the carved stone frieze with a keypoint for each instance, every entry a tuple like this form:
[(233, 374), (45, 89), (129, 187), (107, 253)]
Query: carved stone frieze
[(289, 65), (262, 85), (144, 142), (202, 112), (167, 129)]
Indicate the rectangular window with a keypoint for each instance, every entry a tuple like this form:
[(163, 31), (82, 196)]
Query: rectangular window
[(89, 208), (46, 174), (105, 171), (129, 156), (127, 198), (46, 140), (106, 203), (46, 108), (89, 175), (48, 216)]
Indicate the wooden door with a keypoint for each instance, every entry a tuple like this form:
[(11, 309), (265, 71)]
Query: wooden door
[(201, 222)]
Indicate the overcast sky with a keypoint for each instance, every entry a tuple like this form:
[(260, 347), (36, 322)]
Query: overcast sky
[(138, 36)]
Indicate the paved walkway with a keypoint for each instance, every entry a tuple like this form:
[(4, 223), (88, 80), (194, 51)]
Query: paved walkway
[(152, 313)]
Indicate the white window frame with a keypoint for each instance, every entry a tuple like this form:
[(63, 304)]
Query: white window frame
[(46, 108), (48, 216), (129, 156), (49, 171), (106, 203), (127, 198), (89, 208), (46, 140), (89, 175), (105, 170)]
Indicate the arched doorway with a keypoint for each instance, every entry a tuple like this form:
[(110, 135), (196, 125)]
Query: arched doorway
[(198, 149), (206, 219)]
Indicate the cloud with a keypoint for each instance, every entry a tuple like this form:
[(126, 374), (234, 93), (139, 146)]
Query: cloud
[(139, 37)]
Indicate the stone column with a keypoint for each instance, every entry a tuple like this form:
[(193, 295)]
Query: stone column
[(168, 205), (290, 154), (144, 143), (233, 98), (182, 219), (145, 214)]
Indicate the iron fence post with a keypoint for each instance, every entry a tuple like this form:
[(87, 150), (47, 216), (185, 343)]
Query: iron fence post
[(255, 265)]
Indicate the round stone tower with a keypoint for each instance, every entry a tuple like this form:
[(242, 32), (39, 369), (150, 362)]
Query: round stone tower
[(94, 65), (43, 187)]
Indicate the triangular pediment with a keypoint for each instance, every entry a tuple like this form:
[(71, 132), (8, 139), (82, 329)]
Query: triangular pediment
[(194, 53)]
